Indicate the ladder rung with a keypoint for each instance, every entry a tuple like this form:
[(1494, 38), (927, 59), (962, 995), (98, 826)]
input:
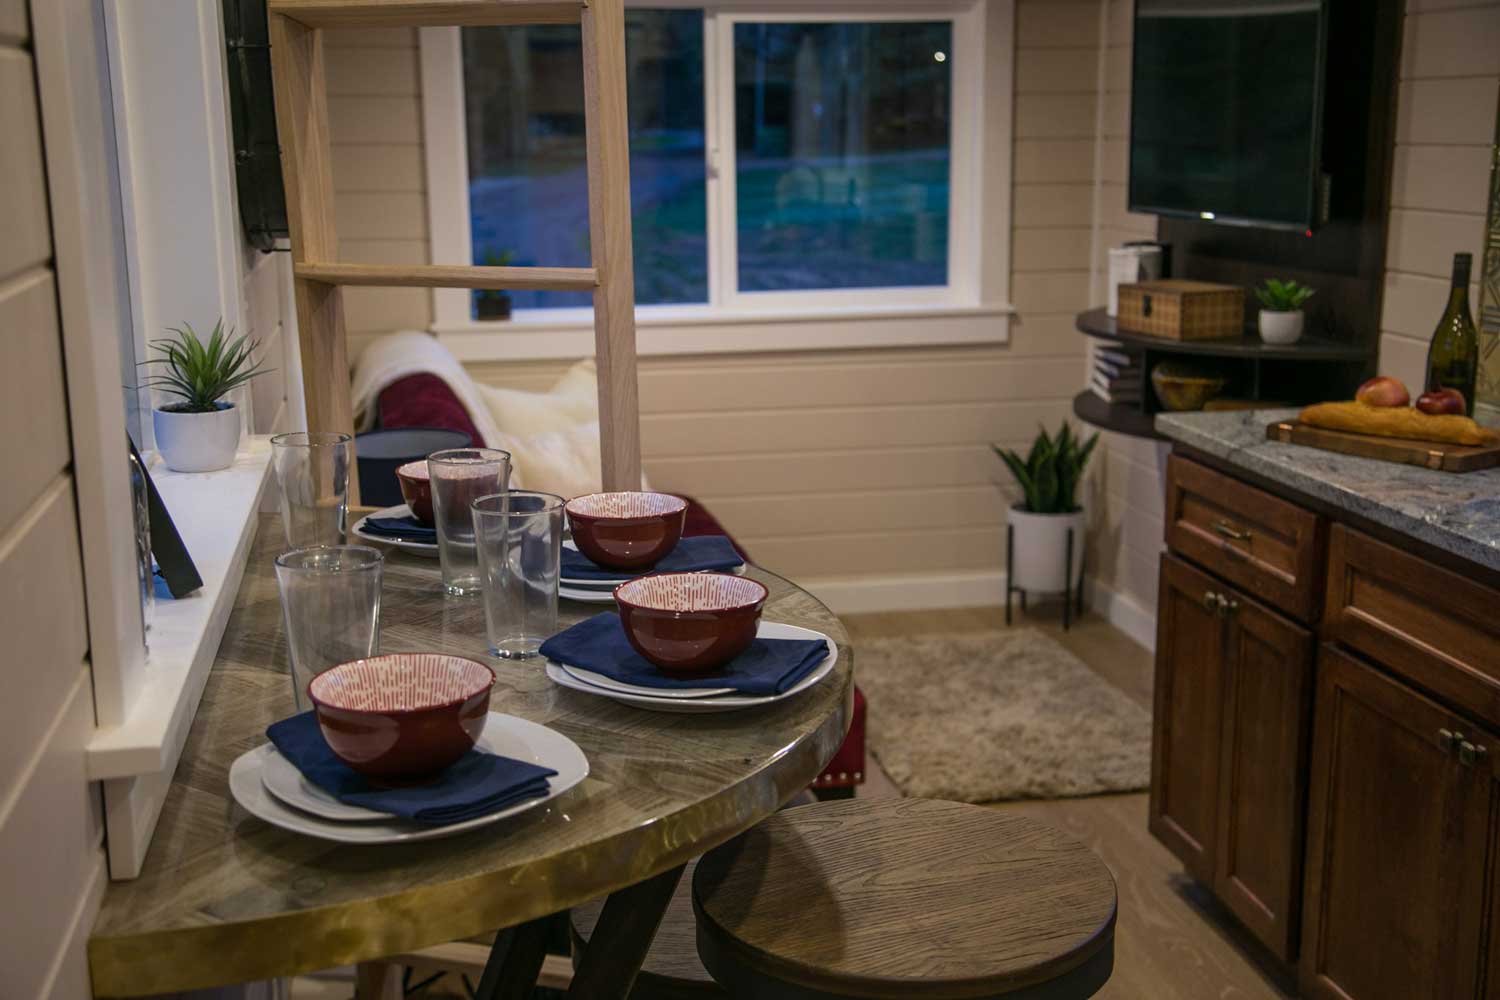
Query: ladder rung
[(427, 13), (518, 279)]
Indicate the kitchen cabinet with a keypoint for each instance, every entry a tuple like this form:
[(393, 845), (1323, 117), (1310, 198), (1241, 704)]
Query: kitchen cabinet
[(1233, 697)]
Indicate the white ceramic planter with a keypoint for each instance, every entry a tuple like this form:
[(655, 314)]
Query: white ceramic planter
[(197, 442), (1039, 546), (1280, 327)]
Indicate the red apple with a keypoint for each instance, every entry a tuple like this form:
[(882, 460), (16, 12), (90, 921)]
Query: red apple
[(1440, 401), (1382, 390)]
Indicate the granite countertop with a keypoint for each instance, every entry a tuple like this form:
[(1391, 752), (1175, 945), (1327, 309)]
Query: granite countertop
[(1457, 512)]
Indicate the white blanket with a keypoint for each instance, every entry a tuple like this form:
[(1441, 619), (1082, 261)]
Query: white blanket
[(553, 436)]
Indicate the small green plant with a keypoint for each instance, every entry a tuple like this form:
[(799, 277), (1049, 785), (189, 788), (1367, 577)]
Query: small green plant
[(493, 259), (202, 373), (1283, 296), (1050, 473)]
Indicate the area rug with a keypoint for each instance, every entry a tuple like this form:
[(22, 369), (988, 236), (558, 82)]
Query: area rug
[(992, 716)]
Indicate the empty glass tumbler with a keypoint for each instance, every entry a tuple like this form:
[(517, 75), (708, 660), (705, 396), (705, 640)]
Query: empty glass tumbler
[(330, 602), (459, 477), (519, 536), (312, 471)]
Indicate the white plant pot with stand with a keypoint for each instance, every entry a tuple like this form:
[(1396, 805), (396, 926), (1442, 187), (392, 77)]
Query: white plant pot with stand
[(1044, 554), (197, 442)]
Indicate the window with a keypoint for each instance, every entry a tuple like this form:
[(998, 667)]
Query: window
[(822, 158)]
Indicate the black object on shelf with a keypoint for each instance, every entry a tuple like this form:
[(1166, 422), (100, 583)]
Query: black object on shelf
[(252, 110), (166, 544), (1098, 323)]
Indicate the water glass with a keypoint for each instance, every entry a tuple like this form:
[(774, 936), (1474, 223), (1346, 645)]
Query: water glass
[(313, 472), (459, 477), (330, 602), (519, 536)]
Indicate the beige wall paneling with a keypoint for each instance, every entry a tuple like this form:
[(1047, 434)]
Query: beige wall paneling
[(33, 403), (14, 29), (23, 202)]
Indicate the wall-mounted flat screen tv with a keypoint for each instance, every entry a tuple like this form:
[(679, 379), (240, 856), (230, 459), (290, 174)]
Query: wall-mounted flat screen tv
[(1226, 109)]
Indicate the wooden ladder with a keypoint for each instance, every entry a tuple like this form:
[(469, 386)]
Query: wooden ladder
[(300, 73)]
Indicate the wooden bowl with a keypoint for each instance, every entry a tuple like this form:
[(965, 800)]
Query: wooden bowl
[(1183, 389), (402, 715), (416, 489), (626, 531), (690, 623)]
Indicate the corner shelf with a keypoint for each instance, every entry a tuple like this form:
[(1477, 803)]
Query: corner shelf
[(1312, 368)]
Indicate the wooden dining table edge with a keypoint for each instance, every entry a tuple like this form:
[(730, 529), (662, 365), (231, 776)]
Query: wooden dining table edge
[(132, 965)]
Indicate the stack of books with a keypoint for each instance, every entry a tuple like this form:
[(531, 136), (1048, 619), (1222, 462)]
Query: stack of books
[(1116, 375)]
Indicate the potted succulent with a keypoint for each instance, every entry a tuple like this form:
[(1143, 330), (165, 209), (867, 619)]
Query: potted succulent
[(1281, 310), (199, 432), (491, 303), (1048, 476)]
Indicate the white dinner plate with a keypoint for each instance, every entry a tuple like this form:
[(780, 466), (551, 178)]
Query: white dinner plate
[(723, 703), (504, 734), (609, 683), (586, 596), (428, 549)]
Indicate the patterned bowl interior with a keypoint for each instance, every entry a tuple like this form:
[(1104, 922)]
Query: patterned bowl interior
[(626, 505), (414, 470), (691, 592), (401, 682)]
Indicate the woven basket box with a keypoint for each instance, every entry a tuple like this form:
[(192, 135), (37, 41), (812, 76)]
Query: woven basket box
[(1182, 310)]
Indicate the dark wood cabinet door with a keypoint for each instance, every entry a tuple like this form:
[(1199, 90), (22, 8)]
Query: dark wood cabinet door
[(1396, 851), (1185, 724), (1268, 682)]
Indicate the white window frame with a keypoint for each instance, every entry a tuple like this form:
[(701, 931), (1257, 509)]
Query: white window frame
[(973, 307)]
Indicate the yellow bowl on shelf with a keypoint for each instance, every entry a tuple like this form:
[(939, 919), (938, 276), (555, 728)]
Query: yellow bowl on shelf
[(1182, 388)]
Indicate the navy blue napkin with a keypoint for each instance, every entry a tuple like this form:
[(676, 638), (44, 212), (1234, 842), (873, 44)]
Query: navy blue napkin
[(477, 784), (692, 555), (769, 666), (407, 529)]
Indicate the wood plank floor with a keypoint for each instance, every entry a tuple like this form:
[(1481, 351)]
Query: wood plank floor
[(1172, 941)]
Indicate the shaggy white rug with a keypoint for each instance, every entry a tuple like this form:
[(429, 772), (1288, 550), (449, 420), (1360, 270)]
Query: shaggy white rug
[(998, 715)]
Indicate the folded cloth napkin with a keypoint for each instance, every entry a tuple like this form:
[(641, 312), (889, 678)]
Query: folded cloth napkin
[(477, 784), (769, 666), (692, 555), (406, 528)]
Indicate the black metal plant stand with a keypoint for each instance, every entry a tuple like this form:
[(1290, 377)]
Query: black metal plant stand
[(1072, 599)]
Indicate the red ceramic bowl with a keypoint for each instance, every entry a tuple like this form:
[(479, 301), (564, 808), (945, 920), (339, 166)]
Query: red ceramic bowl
[(403, 715), (416, 489), (690, 623), (626, 530)]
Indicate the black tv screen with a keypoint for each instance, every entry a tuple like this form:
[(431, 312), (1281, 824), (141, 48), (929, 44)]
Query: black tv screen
[(1226, 110)]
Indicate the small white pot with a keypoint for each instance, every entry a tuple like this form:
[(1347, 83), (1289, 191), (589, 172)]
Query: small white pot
[(197, 442), (1039, 546), (1280, 327)]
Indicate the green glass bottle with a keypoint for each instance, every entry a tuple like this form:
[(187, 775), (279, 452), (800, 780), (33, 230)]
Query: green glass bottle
[(1453, 358)]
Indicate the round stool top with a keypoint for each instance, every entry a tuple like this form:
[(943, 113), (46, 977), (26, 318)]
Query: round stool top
[(905, 897)]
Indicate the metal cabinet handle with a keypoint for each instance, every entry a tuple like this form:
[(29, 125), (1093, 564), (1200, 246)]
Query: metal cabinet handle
[(1470, 754), (1450, 739), (1230, 531), (1228, 606), (1211, 601)]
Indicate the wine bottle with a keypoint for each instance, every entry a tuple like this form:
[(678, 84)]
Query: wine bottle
[(1453, 358)]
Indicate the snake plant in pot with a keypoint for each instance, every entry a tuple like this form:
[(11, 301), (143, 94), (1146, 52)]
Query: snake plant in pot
[(1048, 476), (200, 430)]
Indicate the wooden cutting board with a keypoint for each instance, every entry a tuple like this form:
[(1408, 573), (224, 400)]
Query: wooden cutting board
[(1428, 454)]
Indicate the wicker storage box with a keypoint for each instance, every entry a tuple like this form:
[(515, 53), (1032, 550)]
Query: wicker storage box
[(1182, 310)]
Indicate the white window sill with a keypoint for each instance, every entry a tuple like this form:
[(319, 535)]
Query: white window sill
[(691, 330), (215, 513)]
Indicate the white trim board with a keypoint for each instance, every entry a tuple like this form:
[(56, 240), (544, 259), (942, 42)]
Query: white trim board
[(968, 589)]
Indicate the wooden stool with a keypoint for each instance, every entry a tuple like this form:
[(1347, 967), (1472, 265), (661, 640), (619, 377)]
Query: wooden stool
[(904, 898), (672, 970)]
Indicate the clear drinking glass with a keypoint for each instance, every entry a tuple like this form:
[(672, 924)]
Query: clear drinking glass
[(459, 477), (313, 472), (519, 536), (330, 602)]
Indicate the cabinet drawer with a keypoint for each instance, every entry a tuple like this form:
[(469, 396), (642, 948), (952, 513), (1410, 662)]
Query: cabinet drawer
[(1270, 547), (1436, 627)]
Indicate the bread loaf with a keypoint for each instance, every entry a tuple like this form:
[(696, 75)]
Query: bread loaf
[(1398, 422)]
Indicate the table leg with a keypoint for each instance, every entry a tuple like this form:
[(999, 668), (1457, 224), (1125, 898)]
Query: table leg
[(377, 981), (515, 960), (622, 937)]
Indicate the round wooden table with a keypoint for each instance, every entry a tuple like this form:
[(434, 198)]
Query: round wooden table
[(225, 898)]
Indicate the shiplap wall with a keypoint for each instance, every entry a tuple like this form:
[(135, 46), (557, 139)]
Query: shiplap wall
[(843, 464), (51, 829), (1445, 131), (1130, 479)]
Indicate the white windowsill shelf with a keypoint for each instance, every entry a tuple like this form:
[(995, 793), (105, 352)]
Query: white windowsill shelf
[(216, 514)]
